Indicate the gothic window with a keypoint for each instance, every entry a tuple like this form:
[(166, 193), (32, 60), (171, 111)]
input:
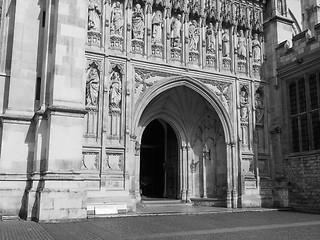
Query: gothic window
[(304, 111)]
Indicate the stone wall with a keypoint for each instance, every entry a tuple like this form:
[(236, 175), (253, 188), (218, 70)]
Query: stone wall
[(303, 175)]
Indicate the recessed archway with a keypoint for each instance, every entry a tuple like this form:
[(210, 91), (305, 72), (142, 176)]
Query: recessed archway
[(159, 161)]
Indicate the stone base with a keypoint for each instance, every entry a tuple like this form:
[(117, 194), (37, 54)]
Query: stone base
[(209, 202), (61, 205)]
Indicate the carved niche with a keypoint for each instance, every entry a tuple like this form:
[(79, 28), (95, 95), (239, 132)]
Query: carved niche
[(92, 96), (94, 22), (157, 31), (244, 116), (175, 36), (116, 26), (115, 91), (138, 27)]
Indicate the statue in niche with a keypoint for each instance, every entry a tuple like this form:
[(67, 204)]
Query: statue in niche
[(242, 46), (210, 37), (244, 109), (157, 27), (225, 43), (94, 15), (117, 19), (256, 48), (175, 31), (137, 22), (259, 105), (92, 87), (194, 36), (115, 90)]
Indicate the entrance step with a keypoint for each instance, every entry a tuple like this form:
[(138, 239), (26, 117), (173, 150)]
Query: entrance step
[(159, 201), (94, 209), (208, 202)]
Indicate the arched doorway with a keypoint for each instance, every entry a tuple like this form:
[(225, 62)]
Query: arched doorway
[(207, 163), (159, 161)]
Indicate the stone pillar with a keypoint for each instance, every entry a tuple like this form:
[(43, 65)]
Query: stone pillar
[(184, 172), (61, 191), (17, 131)]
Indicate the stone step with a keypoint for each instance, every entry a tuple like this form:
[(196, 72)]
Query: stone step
[(208, 202), (9, 217), (106, 208), (161, 201)]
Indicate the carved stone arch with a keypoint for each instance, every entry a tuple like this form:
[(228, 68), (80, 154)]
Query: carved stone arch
[(193, 84), (117, 65), (171, 120)]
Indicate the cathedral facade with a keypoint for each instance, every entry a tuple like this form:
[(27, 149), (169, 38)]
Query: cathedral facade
[(107, 103)]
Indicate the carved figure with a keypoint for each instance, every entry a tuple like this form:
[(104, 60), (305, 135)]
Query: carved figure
[(243, 105), (225, 44), (94, 15), (137, 22), (175, 31), (115, 90), (259, 106), (256, 48), (210, 37), (92, 87), (117, 19), (193, 36), (157, 27), (242, 46)]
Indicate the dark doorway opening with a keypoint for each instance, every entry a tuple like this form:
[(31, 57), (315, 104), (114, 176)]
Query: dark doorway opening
[(159, 161)]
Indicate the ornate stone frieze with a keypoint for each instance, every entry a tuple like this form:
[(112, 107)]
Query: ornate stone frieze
[(221, 90)]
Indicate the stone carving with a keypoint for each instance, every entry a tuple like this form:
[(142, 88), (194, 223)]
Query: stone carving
[(175, 31), (222, 91), (137, 22), (244, 105), (157, 27), (90, 161), (94, 15), (117, 19), (115, 91), (256, 48), (259, 105), (242, 46), (92, 85), (225, 43), (210, 39), (114, 161), (194, 35)]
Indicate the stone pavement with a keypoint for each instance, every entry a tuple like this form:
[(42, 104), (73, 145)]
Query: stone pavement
[(179, 222)]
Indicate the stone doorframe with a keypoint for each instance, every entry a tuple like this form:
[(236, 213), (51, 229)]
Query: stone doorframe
[(185, 156)]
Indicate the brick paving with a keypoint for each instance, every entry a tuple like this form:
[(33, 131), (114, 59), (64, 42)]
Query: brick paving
[(266, 225)]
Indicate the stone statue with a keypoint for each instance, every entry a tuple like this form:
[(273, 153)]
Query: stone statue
[(193, 36), (259, 106), (92, 87), (225, 44), (210, 39), (243, 105), (137, 22), (256, 48), (175, 31), (242, 46), (94, 15), (115, 90), (157, 27), (117, 19)]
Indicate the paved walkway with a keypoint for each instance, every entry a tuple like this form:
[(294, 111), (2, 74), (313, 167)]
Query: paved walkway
[(170, 222)]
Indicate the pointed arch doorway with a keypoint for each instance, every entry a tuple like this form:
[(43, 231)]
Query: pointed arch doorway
[(159, 161)]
